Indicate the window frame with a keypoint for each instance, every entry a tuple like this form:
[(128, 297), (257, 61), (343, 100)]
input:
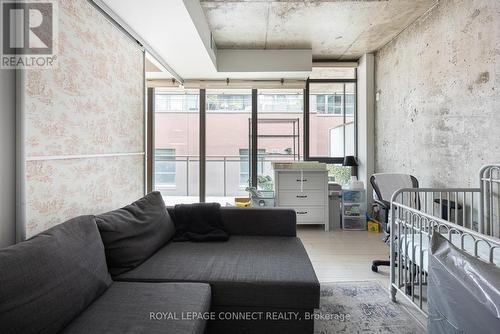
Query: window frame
[(255, 155), (330, 160)]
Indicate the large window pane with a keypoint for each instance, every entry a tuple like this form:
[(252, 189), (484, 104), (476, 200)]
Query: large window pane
[(331, 126), (324, 123), (176, 167), (280, 131), (165, 168), (245, 165), (227, 144)]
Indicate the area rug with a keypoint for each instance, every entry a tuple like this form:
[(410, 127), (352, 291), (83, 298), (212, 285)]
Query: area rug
[(362, 307)]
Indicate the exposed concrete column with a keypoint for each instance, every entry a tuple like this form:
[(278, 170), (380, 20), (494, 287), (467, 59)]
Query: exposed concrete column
[(366, 121)]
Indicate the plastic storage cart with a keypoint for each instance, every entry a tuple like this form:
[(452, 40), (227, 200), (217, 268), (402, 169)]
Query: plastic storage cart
[(353, 209)]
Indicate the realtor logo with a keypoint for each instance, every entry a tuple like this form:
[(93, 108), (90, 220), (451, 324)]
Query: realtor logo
[(28, 31)]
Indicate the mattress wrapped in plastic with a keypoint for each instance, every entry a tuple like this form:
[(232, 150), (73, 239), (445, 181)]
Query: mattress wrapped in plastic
[(463, 291)]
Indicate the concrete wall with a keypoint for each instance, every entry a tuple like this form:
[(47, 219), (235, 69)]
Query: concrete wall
[(438, 82), (8, 159)]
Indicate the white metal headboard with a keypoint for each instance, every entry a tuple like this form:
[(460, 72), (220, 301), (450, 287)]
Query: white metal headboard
[(489, 183)]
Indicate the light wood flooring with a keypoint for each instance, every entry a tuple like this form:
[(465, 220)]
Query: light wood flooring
[(345, 255), (340, 256)]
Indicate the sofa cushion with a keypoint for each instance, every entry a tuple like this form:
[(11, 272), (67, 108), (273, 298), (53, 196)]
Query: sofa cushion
[(244, 271), (131, 234), (265, 221), (145, 308), (48, 280)]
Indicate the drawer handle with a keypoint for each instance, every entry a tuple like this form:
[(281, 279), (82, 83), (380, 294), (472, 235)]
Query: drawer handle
[(302, 212), (303, 180), (301, 196)]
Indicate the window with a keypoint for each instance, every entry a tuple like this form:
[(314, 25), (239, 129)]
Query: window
[(320, 104), (327, 103), (176, 144), (229, 102), (171, 102), (280, 115), (340, 143), (165, 167), (245, 165), (328, 131), (331, 119), (337, 104), (350, 103), (227, 131), (275, 102)]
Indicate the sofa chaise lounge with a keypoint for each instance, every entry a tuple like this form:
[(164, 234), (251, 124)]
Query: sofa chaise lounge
[(259, 281)]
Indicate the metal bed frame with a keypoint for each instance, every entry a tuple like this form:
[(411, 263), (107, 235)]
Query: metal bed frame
[(414, 218)]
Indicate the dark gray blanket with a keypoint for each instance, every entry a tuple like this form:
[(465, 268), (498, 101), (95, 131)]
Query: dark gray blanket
[(199, 222)]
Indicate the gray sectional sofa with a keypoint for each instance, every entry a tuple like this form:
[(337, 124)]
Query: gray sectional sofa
[(259, 281)]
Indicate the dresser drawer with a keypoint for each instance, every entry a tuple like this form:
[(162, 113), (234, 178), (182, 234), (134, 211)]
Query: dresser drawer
[(292, 180), (310, 215), (296, 198)]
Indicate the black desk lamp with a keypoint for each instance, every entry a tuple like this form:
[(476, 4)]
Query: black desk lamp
[(350, 161)]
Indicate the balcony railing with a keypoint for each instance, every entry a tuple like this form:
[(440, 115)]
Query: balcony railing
[(226, 175)]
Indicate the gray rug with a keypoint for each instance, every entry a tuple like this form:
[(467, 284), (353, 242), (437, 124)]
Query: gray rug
[(362, 307)]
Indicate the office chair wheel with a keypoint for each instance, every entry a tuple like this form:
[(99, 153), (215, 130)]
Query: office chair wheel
[(374, 268)]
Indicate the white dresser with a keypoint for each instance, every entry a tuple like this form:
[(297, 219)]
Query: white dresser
[(306, 191)]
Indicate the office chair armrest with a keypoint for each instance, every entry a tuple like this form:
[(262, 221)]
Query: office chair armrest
[(383, 204), (384, 208)]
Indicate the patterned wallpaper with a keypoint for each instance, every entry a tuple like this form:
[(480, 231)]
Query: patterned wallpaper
[(91, 104)]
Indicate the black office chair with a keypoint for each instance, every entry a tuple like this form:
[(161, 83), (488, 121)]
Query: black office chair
[(384, 185)]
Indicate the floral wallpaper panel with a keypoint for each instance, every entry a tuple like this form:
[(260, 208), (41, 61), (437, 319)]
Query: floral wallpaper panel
[(91, 103), (62, 189)]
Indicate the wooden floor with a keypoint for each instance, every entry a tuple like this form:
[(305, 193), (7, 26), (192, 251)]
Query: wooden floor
[(345, 255), (339, 256)]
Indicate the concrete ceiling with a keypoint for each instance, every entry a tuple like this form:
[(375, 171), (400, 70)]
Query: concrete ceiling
[(333, 29), (259, 39), (178, 32)]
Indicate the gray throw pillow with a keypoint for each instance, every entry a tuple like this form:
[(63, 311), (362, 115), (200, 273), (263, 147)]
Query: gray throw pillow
[(48, 280), (133, 233)]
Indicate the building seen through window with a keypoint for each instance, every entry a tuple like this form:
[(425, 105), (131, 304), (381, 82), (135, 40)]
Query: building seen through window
[(280, 115)]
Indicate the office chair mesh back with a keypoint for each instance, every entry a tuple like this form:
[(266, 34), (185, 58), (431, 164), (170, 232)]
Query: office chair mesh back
[(385, 184)]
